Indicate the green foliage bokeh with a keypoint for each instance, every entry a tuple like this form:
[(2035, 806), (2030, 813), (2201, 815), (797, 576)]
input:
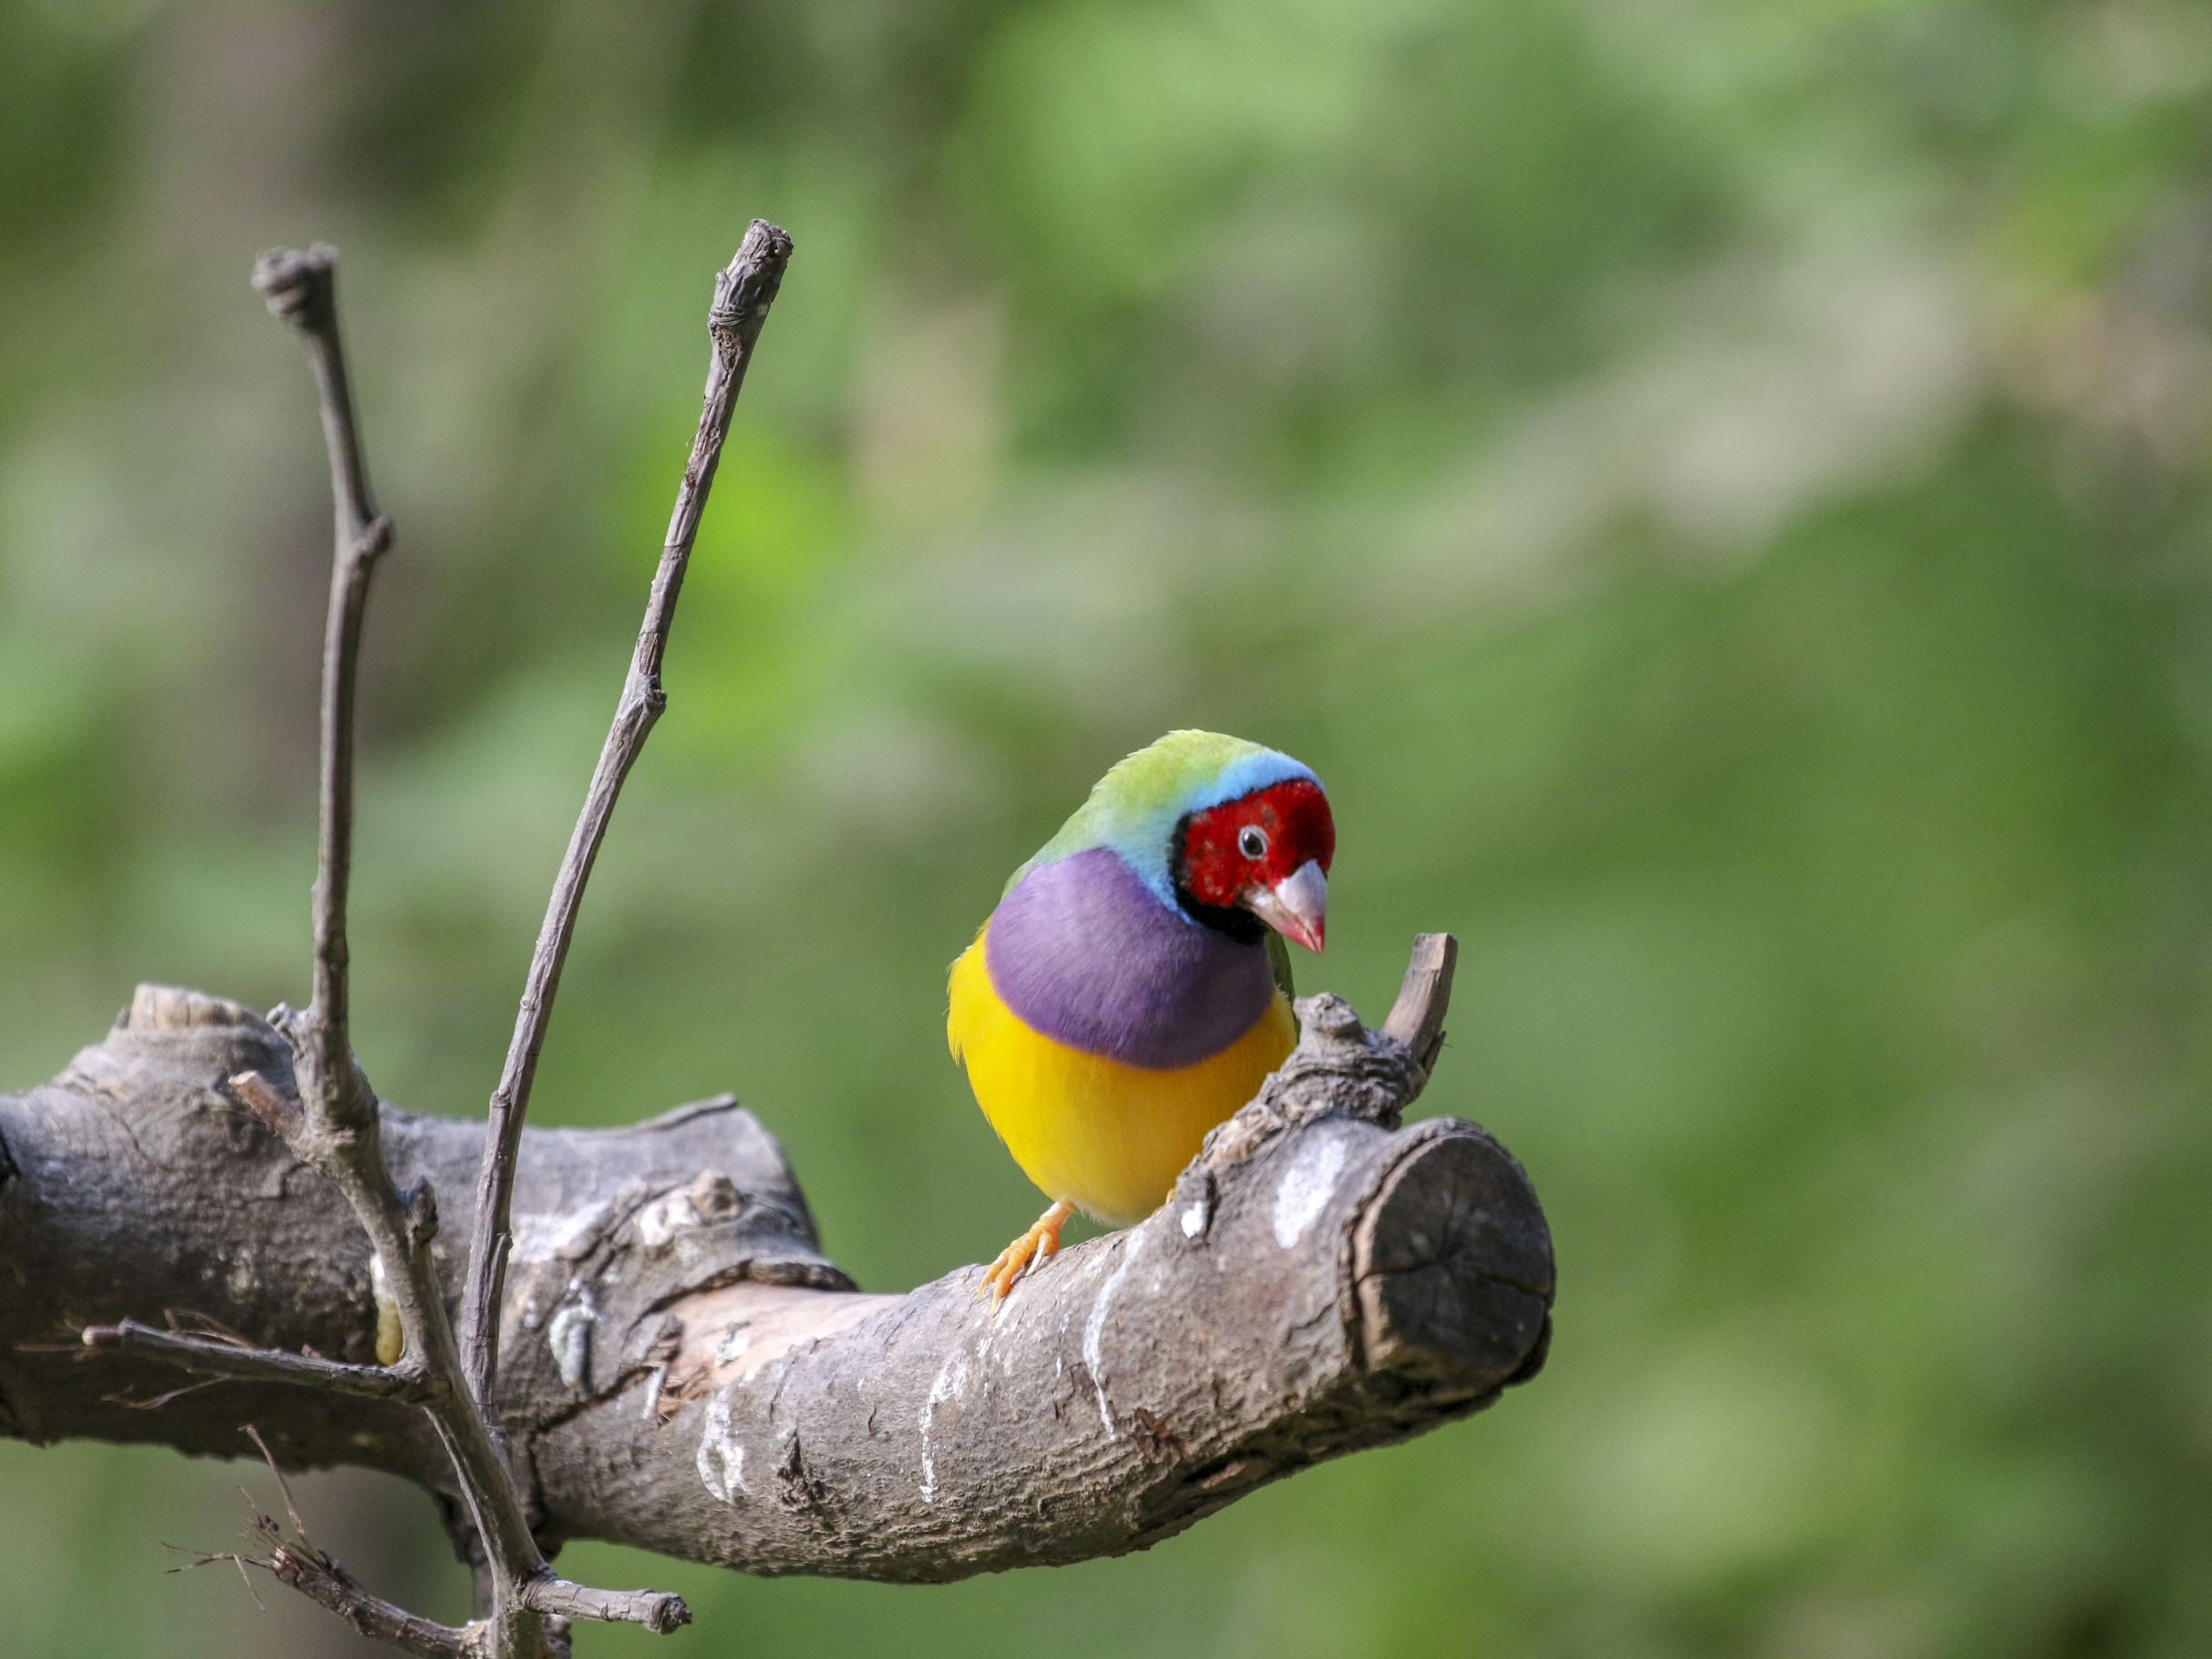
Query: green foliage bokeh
[(1718, 490)]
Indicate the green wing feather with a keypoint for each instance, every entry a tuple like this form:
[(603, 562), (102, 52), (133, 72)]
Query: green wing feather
[(1279, 959)]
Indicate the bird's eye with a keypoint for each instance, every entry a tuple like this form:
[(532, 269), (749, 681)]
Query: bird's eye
[(1252, 842)]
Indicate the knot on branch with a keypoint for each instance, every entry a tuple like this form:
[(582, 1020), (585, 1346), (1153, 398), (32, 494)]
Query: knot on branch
[(1340, 1068), (297, 286), (586, 1292), (418, 1207), (185, 1041), (374, 538), (326, 1072)]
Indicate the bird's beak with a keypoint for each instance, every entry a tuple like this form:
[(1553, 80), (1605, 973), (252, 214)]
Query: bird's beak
[(1297, 907)]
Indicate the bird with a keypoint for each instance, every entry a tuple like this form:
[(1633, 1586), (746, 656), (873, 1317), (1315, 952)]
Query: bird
[(1131, 988)]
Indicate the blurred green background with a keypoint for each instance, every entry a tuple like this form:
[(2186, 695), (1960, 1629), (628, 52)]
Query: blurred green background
[(1718, 490)]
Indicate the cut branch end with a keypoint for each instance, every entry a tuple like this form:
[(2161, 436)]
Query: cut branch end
[(1417, 1018), (298, 286)]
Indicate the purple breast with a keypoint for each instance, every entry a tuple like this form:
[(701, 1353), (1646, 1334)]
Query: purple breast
[(1084, 953)]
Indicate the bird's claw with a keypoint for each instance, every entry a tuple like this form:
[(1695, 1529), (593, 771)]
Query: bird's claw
[(1025, 1254)]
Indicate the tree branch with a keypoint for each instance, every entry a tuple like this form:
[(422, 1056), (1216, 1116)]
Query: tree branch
[(670, 1360), (742, 294), (329, 1117), (686, 1373)]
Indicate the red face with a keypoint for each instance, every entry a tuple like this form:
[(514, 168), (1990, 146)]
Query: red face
[(1257, 841)]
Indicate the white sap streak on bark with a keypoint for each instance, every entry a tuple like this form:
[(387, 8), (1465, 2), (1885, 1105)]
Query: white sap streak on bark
[(951, 1377), (568, 1336), (1305, 1189), (721, 1460), (1094, 1330)]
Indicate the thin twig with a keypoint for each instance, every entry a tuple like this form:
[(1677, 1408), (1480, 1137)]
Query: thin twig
[(200, 1558), (320, 1579), (742, 294), (336, 1129), (215, 1358), (331, 1120), (302, 288), (297, 1562), (246, 1579), (158, 1400), (190, 1321), (299, 1527)]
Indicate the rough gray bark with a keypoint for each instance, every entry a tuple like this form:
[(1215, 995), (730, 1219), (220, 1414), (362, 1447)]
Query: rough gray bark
[(684, 1372)]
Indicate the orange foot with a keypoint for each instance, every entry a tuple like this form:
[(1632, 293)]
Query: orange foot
[(1025, 1254)]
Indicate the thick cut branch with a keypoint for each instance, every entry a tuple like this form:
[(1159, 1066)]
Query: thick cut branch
[(686, 1373), (742, 294)]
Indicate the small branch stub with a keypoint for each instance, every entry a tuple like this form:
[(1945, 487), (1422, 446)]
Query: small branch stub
[(280, 1113), (658, 1611), (1417, 1019)]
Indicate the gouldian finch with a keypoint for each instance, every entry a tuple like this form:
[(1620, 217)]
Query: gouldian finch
[(1130, 991)]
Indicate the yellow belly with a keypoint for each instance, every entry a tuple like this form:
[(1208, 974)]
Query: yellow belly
[(1106, 1137)]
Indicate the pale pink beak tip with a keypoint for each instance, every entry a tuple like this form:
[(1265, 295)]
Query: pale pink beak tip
[(1297, 907)]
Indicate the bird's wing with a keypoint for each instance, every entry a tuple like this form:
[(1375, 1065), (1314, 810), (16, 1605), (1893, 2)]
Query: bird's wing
[(1279, 959)]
